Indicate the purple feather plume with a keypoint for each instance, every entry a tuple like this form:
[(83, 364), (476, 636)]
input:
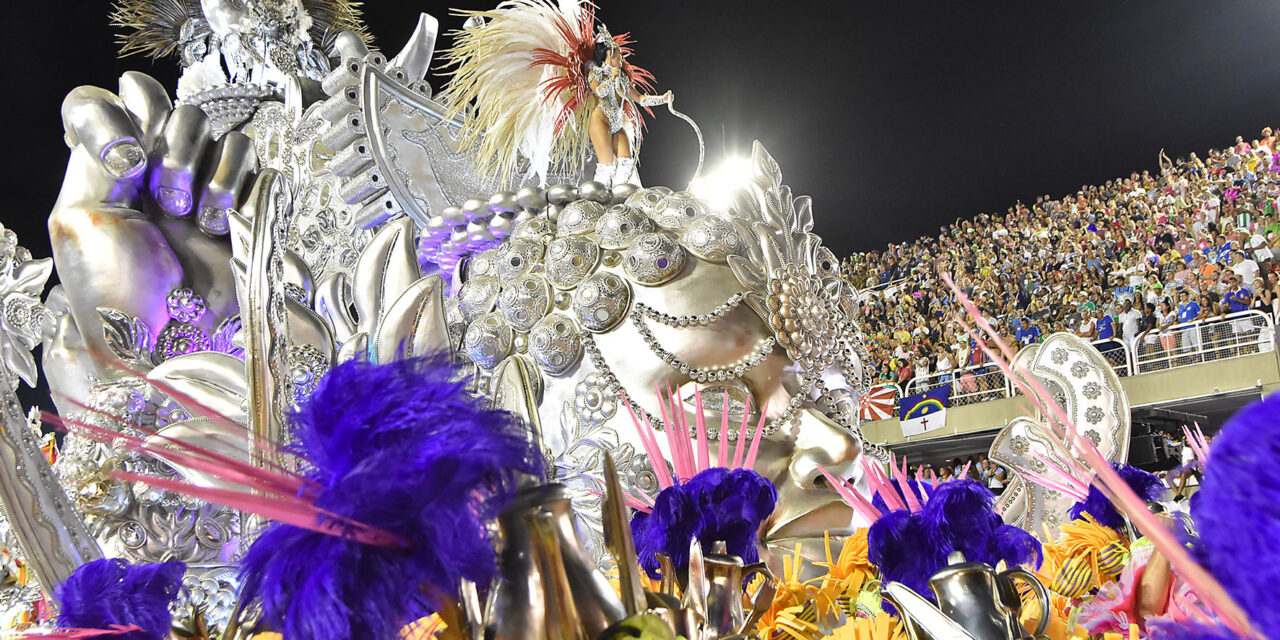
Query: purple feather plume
[(922, 490), (959, 516), (110, 591), (716, 505), (898, 544), (1147, 485), (404, 448), (1237, 511)]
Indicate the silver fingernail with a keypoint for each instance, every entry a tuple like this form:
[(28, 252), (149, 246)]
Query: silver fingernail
[(213, 220), (174, 201), (124, 158)]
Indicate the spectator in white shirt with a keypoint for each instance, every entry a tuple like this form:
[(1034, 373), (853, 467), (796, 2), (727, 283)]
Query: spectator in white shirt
[(1245, 267), (1129, 320)]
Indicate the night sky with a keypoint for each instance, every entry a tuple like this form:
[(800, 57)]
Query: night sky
[(895, 117)]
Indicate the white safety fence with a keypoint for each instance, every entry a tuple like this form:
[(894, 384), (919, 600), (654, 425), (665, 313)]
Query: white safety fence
[(1222, 338), (1231, 336)]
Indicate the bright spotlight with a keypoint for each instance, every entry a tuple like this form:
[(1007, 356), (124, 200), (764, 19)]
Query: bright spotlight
[(719, 186)]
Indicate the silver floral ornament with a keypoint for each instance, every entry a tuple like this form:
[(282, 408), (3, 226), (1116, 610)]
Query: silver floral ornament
[(21, 314), (594, 401)]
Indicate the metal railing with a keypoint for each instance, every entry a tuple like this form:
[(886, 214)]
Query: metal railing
[(1117, 354), (968, 385), (1221, 338)]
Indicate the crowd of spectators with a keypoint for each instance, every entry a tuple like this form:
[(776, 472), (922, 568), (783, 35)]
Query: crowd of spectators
[(1124, 260)]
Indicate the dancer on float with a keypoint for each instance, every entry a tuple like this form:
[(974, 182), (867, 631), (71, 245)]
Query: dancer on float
[(536, 81)]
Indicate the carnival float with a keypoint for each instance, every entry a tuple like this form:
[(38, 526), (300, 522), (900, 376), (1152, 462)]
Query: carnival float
[(340, 354)]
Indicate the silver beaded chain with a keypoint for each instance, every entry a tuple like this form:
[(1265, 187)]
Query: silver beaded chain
[(710, 374), (615, 387)]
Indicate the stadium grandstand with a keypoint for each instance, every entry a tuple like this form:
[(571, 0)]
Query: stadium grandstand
[(1172, 275)]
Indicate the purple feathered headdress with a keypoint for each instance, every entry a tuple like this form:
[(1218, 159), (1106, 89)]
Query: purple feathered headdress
[(404, 448), (909, 546), (1237, 510), (727, 503), (1147, 485), (403, 470), (125, 601)]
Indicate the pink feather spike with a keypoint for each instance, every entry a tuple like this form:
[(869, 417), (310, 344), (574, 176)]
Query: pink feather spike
[(650, 442), (750, 463), (879, 484), (295, 512), (1050, 483), (933, 478), (197, 408), (679, 417), (209, 462), (964, 471), (722, 455), (1125, 500), (919, 474), (687, 440), (673, 443), (238, 428), (851, 497), (1064, 477), (738, 447), (1199, 445), (700, 422), (913, 503), (642, 497), (80, 634)]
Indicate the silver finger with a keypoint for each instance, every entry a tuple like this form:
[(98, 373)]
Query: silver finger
[(177, 158), (147, 102), (235, 160), (97, 119)]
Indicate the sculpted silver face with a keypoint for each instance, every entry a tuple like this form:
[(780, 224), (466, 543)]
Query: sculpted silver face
[(616, 299)]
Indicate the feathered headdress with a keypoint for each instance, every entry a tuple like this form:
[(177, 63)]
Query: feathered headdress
[(404, 471), (520, 78), (725, 503)]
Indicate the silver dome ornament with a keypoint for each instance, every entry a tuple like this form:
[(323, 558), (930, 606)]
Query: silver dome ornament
[(570, 260), (476, 210), (679, 209), (623, 191), (552, 212), (651, 201), (525, 301), (517, 257), (501, 225), (601, 301), (504, 202), (579, 217), (555, 344), (653, 259), (488, 340), (531, 198), (453, 218), (595, 191), (437, 229), (477, 297), (562, 194), (711, 238), (482, 265), (620, 225), (534, 229)]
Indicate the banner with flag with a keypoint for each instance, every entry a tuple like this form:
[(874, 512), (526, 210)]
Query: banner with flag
[(925, 411), (877, 403)]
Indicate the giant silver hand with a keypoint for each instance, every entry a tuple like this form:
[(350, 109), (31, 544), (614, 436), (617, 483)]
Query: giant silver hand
[(141, 211)]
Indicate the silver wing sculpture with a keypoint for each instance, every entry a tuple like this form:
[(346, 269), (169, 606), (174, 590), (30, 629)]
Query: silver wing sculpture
[(1085, 385)]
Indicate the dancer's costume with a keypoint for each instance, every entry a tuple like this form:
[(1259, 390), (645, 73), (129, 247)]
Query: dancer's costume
[(522, 77)]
